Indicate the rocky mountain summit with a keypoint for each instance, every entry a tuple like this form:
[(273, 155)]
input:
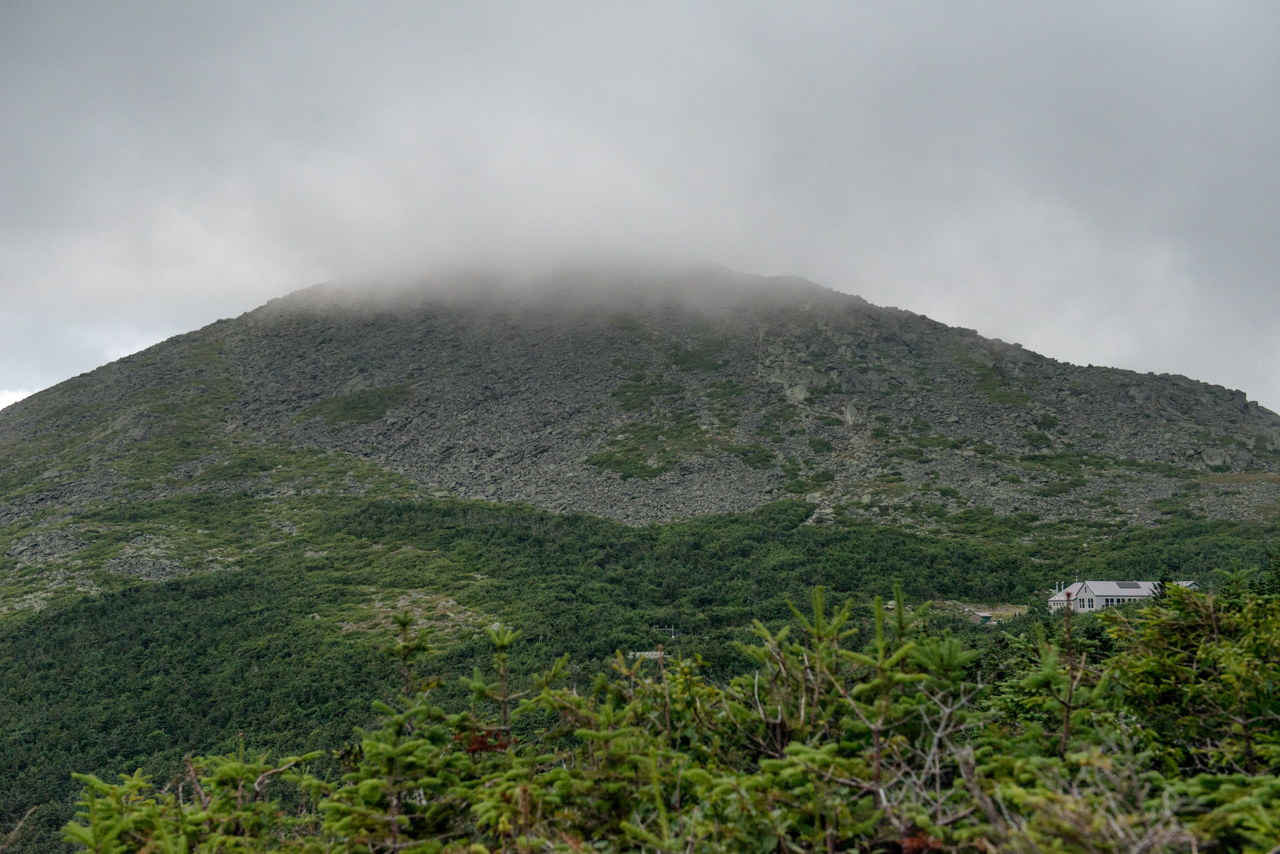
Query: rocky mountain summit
[(636, 395)]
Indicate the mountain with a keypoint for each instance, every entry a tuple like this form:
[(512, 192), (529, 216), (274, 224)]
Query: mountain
[(203, 545), (639, 395)]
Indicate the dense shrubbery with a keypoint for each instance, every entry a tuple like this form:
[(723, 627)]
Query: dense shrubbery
[(283, 648), (901, 741)]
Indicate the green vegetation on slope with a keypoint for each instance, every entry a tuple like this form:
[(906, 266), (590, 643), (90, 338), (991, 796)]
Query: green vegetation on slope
[(882, 737), (992, 382), (361, 407), (699, 358), (648, 449), (281, 644)]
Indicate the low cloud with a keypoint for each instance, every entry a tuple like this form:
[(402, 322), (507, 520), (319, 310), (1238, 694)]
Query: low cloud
[(1098, 183)]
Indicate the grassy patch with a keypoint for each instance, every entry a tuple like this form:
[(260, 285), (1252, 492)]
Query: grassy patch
[(982, 522), (1243, 477), (248, 465), (360, 407), (1037, 440), (638, 396), (1004, 396), (1057, 488), (1171, 505), (1204, 437), (14, 475), (181, 419), (723, 394), (648, 449), (208, 353), (813, 483), (936, 442), (992, 382), (800, 481), (909, 452), (1071, 464), (775, 421), (928, 510), (756, 456), (700, 358), (1177, 505), (1066, 465), (725, 390)]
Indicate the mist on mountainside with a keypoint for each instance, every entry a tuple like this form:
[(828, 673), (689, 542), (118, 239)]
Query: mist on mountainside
[(1095, 183)]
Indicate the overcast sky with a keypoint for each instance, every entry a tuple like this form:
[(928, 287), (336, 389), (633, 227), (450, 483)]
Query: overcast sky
[(1100, 182)]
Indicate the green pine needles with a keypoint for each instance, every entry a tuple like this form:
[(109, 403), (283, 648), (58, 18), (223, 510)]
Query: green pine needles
[(1162, 735)]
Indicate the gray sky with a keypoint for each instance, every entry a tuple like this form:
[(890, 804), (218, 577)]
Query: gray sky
[(1100, 182)]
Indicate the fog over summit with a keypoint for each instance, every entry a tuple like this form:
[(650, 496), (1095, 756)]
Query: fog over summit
[(1097, 183)]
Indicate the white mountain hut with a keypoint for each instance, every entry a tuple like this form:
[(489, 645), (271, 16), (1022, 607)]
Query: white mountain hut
[(1087, 596)]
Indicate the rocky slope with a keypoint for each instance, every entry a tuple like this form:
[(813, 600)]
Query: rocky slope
[(637, 395)]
